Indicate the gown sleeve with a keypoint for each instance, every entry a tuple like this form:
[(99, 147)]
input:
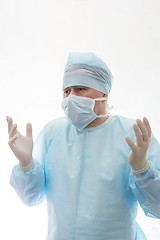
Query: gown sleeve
[(146, 186), (30, 185)]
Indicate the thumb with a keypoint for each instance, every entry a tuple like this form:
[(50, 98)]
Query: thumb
[(130, 143), (29, 130)]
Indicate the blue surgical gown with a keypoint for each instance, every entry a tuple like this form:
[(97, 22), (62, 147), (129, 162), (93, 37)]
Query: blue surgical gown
[(87, 181)]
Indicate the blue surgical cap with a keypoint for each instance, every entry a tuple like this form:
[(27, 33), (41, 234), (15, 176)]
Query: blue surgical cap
[(86, 69)]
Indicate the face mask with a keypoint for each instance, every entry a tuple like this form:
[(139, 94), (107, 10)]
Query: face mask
[(79, 110)]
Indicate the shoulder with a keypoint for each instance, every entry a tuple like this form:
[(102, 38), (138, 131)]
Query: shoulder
[(46, 136), (124, 124), (51, 128), (49, 131), (124, 121)]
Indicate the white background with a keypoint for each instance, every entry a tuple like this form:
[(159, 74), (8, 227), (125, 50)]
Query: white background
[(35, 39)]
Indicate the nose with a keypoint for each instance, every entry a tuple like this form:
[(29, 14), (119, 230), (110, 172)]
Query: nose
[(73, 91)]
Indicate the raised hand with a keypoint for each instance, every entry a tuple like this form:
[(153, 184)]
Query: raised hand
[(21, 146), (137, 157)]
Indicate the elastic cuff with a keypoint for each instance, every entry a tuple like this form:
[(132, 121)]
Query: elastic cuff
[(142, 170), (28, 167)]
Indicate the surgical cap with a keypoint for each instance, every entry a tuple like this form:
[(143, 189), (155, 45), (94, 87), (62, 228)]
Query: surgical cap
[(86, 69)]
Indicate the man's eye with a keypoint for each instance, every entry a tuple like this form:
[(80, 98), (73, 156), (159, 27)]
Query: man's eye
[(66, 92), (81, 89)]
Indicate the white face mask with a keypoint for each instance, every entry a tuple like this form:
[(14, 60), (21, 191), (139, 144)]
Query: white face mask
[(79, 110)]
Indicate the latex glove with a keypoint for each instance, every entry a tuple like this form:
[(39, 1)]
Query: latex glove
[(138, 155), (21, 146)]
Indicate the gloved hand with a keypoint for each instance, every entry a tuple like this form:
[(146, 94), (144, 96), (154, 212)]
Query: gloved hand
[(21, 146), (138, 155)]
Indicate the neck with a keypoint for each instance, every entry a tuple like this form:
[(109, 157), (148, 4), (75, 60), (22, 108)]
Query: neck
[(97, 122)]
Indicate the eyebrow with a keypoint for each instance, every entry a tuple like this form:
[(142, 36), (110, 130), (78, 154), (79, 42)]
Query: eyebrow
[(66, 89), (78, 86)]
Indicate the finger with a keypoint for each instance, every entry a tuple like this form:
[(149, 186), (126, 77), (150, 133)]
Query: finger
[(13, 131), (143, 130), (29, 130), (13, 139), (147, 125), (10, 124), (138, 134), (130, 143)]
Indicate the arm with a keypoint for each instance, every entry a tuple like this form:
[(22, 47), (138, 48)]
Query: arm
[(29, 184), (27, 176), (146, 188), (145, 174)]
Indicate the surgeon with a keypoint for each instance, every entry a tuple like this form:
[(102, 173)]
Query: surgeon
[(93, 168)]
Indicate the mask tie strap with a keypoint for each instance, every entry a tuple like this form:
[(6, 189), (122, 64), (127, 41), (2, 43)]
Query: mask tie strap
[(100, 99)]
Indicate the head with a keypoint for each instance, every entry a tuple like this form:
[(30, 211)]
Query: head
[(86, 69), (86, 75)]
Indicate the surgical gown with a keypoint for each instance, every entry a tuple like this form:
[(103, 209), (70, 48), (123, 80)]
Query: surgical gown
[(87, 181)]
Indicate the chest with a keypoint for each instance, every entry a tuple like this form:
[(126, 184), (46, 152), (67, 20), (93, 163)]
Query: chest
[(100, 156)]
